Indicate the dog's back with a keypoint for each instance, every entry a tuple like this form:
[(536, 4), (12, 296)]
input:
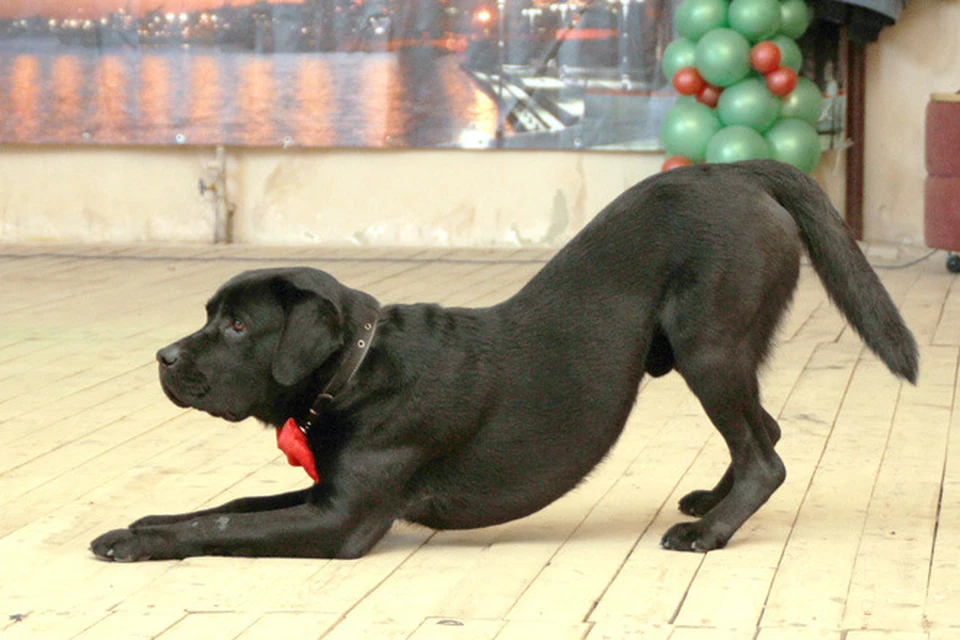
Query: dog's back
[(734, 227)]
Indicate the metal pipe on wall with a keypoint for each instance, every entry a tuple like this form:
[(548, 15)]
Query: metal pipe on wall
[(222, 208)]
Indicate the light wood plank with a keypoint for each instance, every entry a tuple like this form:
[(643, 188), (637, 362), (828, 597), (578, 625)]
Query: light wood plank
[(528, 630), (142, 625), (578, 576), (948, 326), (722, 594), (711, 633), (943, 592), (884, 634), (451, 629), (46, 624), (814, 574), (289, 626), (798, 633), (621, 629), (361, 629), (888, 588), (209, 626), (922, 307)]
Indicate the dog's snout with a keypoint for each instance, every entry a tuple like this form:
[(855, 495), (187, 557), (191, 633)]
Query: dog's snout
[(168, 356)]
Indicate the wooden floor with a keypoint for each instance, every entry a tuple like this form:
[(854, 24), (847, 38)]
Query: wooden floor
[(861, 542)]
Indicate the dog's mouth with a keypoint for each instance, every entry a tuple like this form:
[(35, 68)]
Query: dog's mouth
[(183, 390), (173, 397), (229, 416), (189, 389)]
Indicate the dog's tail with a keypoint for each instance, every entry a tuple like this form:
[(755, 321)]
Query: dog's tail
[(849, 280)]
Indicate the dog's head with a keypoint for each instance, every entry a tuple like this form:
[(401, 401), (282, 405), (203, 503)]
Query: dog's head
[(267, 332)]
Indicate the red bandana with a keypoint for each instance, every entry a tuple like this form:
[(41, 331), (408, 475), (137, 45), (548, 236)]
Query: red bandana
[(292, 441)]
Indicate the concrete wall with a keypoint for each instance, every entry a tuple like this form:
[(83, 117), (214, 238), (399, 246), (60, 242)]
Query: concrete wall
[(446, 198), (478, 199), (428, 197)]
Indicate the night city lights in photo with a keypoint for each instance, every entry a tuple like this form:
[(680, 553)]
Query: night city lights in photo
[(504, 74)]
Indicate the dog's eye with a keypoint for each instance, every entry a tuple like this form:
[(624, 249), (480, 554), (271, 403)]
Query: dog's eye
[(238, 326)]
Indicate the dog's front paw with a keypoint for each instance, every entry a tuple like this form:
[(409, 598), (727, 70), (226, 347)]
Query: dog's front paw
[(154, 521), (126, 545), (691, 536)]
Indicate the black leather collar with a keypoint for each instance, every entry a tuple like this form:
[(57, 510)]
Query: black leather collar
[(349, 364)]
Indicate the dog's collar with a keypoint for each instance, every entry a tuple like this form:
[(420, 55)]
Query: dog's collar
[(349, 364)]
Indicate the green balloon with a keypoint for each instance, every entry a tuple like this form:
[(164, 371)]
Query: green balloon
[(748, 103), (735, 143), (795, 142), (803, 103), (723, 57), (686, 130), (755, 20), (794, 18), (790, 54), (677, 55), (693, 18)]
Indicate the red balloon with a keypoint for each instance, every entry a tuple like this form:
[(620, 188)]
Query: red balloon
[(675, 161), (709, 94), (687, 81), (781, 81), (765, 57)]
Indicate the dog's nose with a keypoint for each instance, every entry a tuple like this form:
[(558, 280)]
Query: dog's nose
[(168, 356)]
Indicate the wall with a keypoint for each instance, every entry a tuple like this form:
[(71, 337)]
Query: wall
[(427, 197), (917, 57), (446, 198), (462, 198), (102, 195)]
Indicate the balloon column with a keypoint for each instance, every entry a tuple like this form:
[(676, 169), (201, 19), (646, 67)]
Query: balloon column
[(735, 63)]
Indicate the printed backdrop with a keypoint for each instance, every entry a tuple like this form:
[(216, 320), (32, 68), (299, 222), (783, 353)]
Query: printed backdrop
[(335, 73)]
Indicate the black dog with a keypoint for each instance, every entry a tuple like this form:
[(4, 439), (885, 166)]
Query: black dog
[(458, 418)]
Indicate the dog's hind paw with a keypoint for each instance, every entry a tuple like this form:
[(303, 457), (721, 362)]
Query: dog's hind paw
[(691, 536), (698, 503)]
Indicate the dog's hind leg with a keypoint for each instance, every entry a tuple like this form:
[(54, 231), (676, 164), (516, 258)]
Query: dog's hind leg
[(732, 402), (697, 503)]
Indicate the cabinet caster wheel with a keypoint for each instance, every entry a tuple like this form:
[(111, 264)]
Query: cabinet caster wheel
[(953, 263)]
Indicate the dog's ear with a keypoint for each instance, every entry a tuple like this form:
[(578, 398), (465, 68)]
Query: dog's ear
[(312, 329)]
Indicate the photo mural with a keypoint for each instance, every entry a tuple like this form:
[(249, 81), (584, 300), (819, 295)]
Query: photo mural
[(333, 73), (501, 74)]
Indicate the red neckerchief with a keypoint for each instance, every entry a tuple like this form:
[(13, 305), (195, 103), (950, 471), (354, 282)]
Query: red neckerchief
[(293, 442)]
